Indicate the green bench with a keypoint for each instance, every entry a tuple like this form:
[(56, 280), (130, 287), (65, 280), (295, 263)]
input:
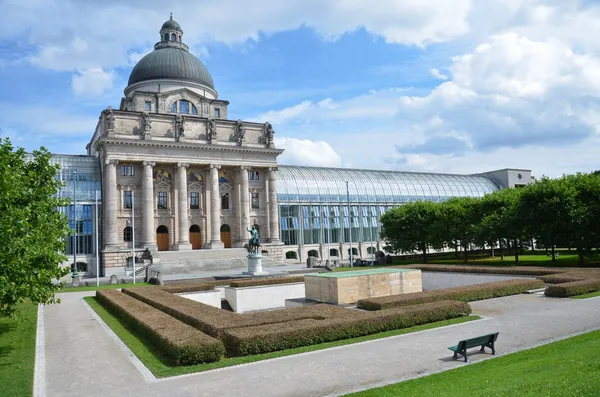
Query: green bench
[(483, 341)]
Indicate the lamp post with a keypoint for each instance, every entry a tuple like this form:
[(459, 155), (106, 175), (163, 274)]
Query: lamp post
[(75, 273), (349, 222)]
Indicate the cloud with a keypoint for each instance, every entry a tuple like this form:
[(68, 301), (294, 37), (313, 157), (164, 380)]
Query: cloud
[(436, 73), (72, 34), (91, 82), (307, 152)]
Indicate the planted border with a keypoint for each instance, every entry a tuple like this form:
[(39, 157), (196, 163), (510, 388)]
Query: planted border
[(464, 294), (573, 288), (508, 270), (178, 342), (272, 337), (267, 281)]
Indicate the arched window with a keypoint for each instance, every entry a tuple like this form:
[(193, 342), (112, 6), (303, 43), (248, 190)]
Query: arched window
[(185, 107), (291, 255), (179, 38), (166, 37), (371, 250), (354, 251), (334, 252), (173, 37), (314, 253), (127, 234)]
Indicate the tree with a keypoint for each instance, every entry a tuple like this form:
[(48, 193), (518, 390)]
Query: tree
[(462, 217), (32, 231), (410, 227)]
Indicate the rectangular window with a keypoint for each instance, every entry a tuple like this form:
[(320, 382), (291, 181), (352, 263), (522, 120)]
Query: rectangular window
[(162, 200), (127, 170), (194, 200), (127, 200), (225, 201), (147, 106), (253, 175), (255, 201), (218, 113)]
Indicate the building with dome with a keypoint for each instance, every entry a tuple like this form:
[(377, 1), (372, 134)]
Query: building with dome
[(179, 181)]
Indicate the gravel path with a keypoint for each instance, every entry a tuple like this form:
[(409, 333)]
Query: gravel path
[(82, 359)]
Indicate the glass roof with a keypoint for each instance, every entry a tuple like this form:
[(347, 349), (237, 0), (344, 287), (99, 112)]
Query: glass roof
[(297, 184)]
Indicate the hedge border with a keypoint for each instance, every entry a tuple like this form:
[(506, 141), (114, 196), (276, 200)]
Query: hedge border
[(266, 281), (273, 337), (508, 270), (573, 288), (466, 294), (178, 342)]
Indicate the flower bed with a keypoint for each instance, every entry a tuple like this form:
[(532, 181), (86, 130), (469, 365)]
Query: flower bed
[(180, 343), (466, 294)]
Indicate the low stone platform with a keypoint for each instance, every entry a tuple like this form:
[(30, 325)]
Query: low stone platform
[(349, 287)]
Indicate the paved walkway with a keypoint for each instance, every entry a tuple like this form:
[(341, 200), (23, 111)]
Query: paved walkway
[(82, 359)]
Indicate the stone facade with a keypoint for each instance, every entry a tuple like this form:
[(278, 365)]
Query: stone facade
[(348, 288)]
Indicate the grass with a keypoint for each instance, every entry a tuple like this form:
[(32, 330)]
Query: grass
[(17, 352), (585, 296), (144, 350), (104, 286), (564, 260), (570, 367)]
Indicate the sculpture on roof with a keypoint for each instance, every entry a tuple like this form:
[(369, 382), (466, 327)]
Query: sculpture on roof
[(146, 125), (110, 119), (179, 126), (269, 134), (211, 130), (240, 131)]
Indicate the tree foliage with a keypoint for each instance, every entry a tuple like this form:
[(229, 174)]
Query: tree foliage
[(32, 231), (555, 212)]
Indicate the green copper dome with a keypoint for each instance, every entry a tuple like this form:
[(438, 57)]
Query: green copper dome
[(171, 63), (171, 25)]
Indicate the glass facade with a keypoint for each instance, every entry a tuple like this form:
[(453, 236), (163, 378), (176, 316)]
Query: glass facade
[(315, 207), (81, 176)]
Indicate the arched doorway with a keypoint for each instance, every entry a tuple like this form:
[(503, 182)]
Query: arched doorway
[(162, 238), (226, 235), (195, 239)]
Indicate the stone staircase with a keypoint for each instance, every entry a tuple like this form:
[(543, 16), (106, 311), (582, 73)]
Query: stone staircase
[(198, 261)]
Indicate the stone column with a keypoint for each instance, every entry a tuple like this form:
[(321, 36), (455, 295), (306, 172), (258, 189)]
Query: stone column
[(245, 199), (149, 234), (207, 208), (273, 207), (110, 204), (237, 198), (183, 219), (215, 208)]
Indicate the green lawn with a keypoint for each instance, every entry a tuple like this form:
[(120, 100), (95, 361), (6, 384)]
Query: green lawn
[(144, 350), (567, 368), (105, 286), (17, 352), (564, 260), (590, 295)]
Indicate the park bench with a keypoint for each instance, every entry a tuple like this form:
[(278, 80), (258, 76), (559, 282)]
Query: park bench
[(483, 341)]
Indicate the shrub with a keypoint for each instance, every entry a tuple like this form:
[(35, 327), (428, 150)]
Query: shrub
[(279, 336), (179, 343), (466, 294), (267, 281), (561, 278), (573, 288), (510, 270), (190, 287)]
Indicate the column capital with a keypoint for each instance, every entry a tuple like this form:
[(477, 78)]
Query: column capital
[(149, 163), (272, 169), (183, 165), (217, 166), (245, 168), (112, 162)]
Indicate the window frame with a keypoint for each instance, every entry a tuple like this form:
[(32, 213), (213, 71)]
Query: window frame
[(162, 200), (254, 198), (127, 232), (194, 197), (127, 170), (148, 106), (218, 113), (127, 199), (225, 196)]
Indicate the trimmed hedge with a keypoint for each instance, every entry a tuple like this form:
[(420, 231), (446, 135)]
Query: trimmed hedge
[(189, 287), (573, 288), (562, 278), (266, 281), (509, 270), (466, 294), (273, 337), (179, 343)]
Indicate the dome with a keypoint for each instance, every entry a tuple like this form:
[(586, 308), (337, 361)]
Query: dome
[(171, 25), (171, 63)]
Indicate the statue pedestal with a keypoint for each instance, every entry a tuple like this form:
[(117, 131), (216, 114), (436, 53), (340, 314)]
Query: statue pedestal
[(255, 265)]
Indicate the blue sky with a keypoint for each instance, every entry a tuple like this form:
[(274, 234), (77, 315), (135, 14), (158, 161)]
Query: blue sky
[(426, 86)]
